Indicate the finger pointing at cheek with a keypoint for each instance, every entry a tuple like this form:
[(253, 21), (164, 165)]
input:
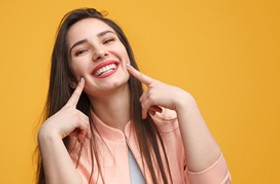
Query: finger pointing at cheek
[(148, 103), (146, 80), (73, 101)]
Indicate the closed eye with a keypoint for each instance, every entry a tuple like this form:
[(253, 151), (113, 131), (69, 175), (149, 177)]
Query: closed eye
[(109, 40), (82, 51)]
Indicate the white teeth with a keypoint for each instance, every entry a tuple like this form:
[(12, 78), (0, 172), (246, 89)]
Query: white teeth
[(105, 69)]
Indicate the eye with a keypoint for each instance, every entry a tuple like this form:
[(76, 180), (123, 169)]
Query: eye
[(79, 52), (108, 40)]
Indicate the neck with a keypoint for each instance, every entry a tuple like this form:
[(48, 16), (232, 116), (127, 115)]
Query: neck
[(113, 108)]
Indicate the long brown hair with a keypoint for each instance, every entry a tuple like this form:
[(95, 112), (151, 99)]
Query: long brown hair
[(148, 136)]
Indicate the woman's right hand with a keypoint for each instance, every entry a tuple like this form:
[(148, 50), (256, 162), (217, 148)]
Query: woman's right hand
[(68, 120)]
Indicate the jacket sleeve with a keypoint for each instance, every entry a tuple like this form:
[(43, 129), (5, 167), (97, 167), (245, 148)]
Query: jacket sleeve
[(218, 173)]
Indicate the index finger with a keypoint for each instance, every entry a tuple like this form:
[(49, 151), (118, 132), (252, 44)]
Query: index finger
[(73, 100), (140, 76)]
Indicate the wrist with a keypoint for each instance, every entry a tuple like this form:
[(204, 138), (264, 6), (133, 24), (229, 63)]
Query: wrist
[(185, 102), (46, 134)]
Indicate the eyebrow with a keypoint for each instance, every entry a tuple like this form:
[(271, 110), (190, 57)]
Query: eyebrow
[(105, 32), (85, 40)]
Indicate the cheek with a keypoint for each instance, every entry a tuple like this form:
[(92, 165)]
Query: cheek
[(126, 74), (78, 70), (121, 50), (126, 57)]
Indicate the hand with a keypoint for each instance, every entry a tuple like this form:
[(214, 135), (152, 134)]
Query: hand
[(69, 120), (157, 94)]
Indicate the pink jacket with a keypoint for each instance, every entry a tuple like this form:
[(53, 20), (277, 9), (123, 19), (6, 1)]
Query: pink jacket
[(114, 155)]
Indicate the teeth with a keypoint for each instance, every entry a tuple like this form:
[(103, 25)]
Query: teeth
[(105, 69)]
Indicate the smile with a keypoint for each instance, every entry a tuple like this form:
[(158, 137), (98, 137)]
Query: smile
[(105, 69)]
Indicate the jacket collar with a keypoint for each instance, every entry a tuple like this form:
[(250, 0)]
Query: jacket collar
[(110, 133)]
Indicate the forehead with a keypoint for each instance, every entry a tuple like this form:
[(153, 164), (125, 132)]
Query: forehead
[(85, 29)]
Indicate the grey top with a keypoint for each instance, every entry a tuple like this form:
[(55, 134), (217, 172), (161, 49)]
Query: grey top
[(136, 176)]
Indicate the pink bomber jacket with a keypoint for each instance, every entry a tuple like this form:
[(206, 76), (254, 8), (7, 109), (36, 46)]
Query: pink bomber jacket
[(113, 155)]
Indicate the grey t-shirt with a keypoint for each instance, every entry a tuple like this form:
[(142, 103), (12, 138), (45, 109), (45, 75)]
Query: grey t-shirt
[(136, 176)]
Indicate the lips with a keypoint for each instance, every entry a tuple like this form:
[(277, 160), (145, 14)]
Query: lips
[(105, 69)]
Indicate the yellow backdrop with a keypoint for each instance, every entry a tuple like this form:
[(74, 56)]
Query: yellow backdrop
[(226, 53)]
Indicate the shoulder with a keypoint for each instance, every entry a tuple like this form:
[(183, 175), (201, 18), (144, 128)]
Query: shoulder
[(166, 121)]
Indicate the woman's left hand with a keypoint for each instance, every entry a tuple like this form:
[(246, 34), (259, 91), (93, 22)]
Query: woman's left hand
[(201, 148), (158, 94)]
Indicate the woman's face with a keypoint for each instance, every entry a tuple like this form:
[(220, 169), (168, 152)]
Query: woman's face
[(97, 54)]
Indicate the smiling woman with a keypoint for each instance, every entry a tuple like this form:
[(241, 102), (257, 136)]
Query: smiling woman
[(101, 126), (97, 52)]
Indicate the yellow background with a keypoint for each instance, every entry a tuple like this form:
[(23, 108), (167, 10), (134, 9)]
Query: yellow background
[(226, 53)]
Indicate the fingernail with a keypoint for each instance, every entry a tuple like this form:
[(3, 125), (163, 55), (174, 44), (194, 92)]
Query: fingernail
[(82, 79), (128, 65)]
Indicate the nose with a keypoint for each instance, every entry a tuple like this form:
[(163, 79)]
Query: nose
[(99, 53)]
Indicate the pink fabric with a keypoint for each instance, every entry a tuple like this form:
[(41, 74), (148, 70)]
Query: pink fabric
[(113, 155)]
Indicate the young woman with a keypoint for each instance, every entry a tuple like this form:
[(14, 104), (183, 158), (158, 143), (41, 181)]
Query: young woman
[(101, 127)]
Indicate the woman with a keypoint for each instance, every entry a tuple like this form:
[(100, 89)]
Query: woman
[(101, 127)]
